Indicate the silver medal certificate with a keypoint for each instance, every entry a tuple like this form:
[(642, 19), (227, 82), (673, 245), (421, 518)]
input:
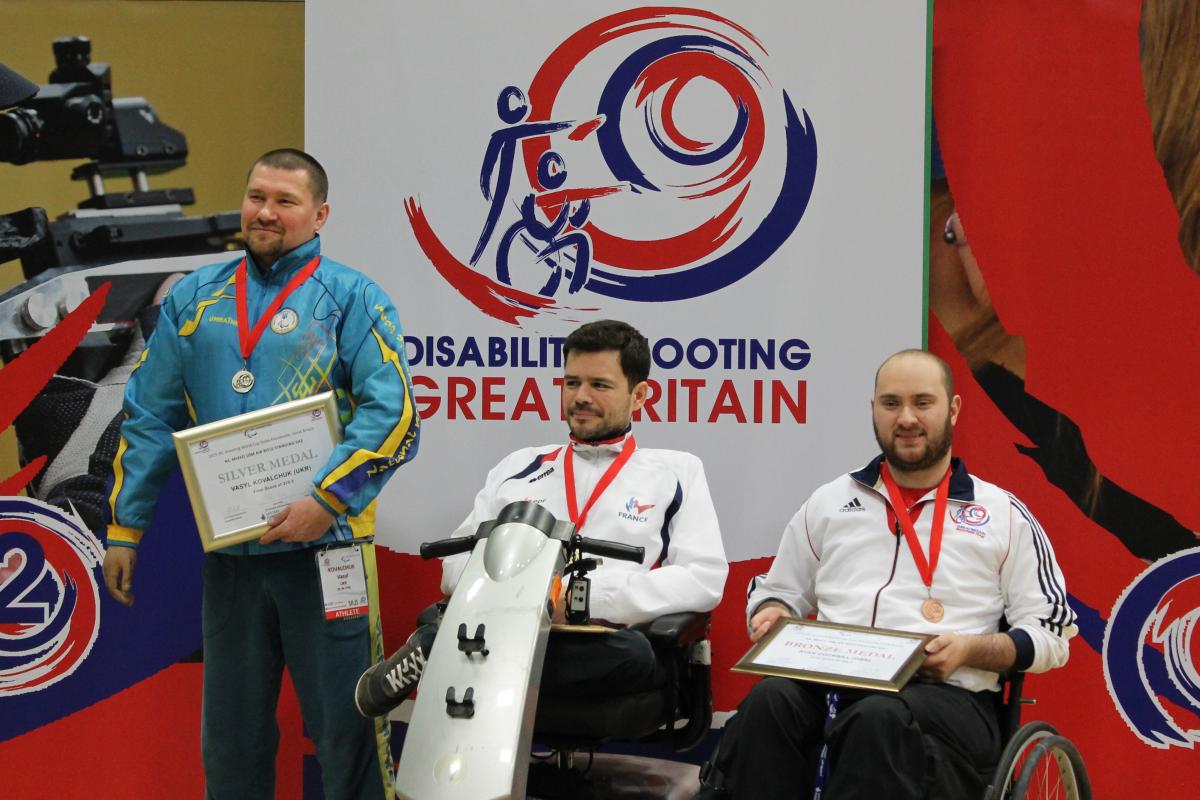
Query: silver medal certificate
[(841, 655), (243, 470)]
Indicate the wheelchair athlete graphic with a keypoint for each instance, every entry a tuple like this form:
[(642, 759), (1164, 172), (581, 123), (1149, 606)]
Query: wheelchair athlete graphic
[(552, 173), (561, 247)]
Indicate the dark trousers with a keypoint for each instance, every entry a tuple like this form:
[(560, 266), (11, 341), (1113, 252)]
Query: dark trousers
[(599, 664), (589, 664), (929, 741), (262, 612)]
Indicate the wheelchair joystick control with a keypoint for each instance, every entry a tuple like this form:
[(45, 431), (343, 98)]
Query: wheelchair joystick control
[(579, 591), (472, 644), (461, 710)]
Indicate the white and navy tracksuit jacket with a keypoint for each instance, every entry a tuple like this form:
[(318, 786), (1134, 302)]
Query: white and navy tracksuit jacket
[(659, 500), (841, 557)]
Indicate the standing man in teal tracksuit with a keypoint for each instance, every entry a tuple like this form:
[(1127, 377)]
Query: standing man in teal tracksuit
[(281, 324)]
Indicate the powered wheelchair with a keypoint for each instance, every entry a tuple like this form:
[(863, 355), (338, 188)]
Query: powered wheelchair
[(477, 715)]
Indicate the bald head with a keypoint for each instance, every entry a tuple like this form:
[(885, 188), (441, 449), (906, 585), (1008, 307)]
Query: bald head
[(912, 358), (914, 410)]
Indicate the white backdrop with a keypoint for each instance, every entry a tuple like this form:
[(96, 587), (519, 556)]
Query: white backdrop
[(401, 101)]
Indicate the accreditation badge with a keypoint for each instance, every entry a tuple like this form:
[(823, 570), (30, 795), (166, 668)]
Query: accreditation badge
[(343, 581)]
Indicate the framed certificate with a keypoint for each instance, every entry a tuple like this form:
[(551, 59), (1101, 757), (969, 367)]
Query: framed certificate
[(841, 655), (244, 470)]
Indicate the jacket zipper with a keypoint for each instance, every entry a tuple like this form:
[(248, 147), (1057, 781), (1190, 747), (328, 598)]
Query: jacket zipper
[(895, 560)]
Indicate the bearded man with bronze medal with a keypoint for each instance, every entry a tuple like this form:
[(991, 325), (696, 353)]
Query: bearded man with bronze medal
[(278, 381), (914, 548)]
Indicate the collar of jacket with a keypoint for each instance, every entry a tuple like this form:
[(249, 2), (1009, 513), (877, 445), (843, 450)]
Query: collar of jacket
[(607, 447), (961, 486), (289, 263)]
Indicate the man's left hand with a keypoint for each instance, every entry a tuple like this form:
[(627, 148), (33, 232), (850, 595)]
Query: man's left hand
[(949, 651), (302, 521), (943, 655)]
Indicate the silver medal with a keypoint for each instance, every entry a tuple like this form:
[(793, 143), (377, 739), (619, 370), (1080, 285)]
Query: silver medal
[(243, 381)]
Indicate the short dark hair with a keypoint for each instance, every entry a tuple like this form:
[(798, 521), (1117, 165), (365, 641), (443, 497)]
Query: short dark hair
[(611, 334), (947, 375), (290, 158)]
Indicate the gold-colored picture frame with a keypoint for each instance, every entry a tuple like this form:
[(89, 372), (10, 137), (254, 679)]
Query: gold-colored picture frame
[(855, 656), (241, 471)]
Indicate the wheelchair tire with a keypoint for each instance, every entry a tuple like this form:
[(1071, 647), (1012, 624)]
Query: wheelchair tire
[(1039, 764), (1054, 769), (1007, 767)]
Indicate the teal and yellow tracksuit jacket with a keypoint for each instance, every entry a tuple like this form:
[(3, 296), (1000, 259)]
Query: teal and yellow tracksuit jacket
[(337, 331)]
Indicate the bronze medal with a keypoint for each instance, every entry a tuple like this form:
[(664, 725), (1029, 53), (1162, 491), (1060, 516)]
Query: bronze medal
[(933, 610)]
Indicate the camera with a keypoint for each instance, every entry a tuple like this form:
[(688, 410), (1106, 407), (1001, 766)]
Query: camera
[(135, 242), (75, 116)]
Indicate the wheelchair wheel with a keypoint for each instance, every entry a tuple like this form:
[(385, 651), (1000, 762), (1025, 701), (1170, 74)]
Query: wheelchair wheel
[(1038, 763)]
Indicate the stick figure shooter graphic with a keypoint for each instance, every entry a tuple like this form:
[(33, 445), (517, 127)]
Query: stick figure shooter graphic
[(512, 108)]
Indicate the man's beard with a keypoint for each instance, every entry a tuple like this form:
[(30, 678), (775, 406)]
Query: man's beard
[(265, 256), (603, 434), (268, 254), (935, 450)]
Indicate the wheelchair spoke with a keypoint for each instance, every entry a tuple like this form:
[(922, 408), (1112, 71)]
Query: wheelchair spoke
[(1038, 763), (1050, 769)]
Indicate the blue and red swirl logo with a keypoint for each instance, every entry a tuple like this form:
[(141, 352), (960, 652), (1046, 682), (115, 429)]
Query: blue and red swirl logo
[(1152, 652), (974, 515), (49, 600), (649, 159)]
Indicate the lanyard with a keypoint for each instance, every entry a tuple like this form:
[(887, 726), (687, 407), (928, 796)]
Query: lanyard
[(577, 516), (833, 701), (247, 338), (926, 568)]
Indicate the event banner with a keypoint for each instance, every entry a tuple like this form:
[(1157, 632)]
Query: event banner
[(741, 181)]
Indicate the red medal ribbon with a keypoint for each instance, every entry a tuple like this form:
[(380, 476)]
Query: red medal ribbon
[(607, 478), (926, 568), (249, 338)]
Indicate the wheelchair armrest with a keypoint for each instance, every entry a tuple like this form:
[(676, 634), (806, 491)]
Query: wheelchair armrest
[(675, 630)]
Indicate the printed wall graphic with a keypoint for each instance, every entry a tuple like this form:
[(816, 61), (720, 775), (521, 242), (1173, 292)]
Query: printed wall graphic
[(698, 172), (679, 135), (708, 189), (49, 599), (1065, 304), (1150, 651)]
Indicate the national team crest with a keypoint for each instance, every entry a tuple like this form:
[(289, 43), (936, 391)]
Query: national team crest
[(49, 600), (284, 321), (973, 516), (634, 506)]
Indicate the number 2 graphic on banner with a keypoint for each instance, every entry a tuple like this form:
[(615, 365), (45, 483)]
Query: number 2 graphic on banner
[(49, 598)]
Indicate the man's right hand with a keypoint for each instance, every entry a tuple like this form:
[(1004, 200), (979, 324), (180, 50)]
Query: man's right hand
[(118, 573), (765, 618)]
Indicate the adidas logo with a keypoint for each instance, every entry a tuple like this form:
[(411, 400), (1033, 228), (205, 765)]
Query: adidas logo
[(406, 673), (853, 505)]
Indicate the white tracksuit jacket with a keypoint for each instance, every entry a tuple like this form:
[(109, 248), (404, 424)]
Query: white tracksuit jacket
[(659, 500), (841, 558)]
